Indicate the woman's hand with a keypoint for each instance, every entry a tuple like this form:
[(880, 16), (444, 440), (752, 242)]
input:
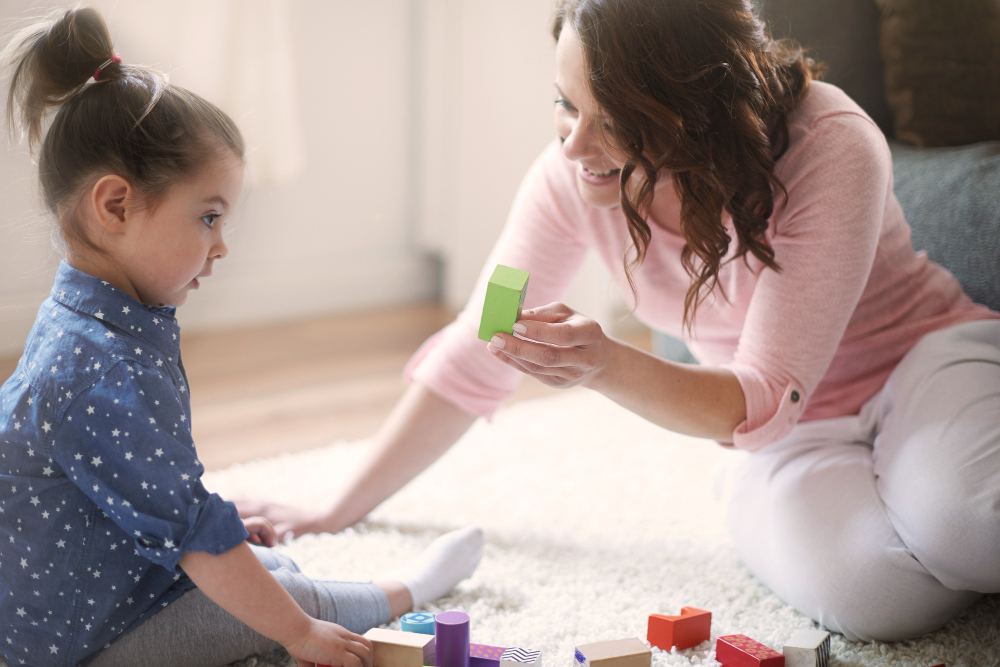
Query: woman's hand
[(565, 348), (330, 644), (287, 522), (261, 531)]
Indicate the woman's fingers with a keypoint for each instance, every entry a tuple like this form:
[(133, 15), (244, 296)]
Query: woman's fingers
[(550, 312)]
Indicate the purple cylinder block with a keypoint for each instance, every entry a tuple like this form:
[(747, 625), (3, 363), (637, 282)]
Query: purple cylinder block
[(451, 639)]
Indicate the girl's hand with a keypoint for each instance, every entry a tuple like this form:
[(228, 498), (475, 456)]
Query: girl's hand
[(565, 348), (288, 521), (330, 644), (261, 531)]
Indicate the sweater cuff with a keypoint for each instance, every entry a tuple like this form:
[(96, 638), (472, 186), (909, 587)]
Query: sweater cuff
[(773, 408)]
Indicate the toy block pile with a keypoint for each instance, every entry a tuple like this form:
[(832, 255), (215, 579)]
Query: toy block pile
[(443, 640)]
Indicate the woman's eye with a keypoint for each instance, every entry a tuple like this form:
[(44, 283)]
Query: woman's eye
[(565, 104), (209, 219)]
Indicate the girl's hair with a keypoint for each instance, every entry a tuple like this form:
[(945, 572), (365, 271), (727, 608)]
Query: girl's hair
[(129, 121), (700, 89)]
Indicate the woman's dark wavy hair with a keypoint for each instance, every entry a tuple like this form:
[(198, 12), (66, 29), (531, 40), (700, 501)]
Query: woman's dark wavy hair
[(130, 121), (697, 88)]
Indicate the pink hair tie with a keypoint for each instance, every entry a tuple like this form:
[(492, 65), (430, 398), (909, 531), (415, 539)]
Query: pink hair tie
[(97, 72)]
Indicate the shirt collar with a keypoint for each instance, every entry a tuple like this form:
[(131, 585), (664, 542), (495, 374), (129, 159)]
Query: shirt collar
[(99, 298)]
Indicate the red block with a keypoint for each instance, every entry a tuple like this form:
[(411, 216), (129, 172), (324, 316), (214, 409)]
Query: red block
[(690, 628), (741, 651)]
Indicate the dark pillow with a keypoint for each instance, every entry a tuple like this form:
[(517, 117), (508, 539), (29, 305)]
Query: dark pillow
[(942, 69), (951, 197)]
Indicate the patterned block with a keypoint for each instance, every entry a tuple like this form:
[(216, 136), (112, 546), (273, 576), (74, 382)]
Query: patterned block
[(741, 651), (519, 657), (484, 655), (807, 648), (630, 652), (690, 628), (418, 621)]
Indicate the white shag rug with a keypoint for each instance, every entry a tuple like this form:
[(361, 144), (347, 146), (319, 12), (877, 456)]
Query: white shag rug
[(594, 519)]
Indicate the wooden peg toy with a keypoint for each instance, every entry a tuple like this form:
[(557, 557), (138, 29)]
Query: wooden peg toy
[(395, 648), (807, 648), (741, 651), (504, 300), (690, 628), (617, 653), (451, 628), (520, 657)]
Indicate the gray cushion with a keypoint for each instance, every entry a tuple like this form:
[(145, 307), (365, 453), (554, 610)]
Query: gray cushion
[(951, 197)]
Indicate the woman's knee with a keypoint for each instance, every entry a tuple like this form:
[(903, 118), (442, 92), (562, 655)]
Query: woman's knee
[(888, 599)]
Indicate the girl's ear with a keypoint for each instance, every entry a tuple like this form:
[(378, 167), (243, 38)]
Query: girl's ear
[(107, 199)]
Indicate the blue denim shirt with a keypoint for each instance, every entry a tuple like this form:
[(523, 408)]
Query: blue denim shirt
[(100, 484)]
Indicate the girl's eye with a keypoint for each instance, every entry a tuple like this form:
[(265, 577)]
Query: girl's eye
[(210, 219)]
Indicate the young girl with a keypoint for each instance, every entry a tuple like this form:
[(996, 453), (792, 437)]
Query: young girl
[(112, 552)]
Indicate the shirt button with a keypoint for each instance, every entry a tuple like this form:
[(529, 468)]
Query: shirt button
[(795, 397)]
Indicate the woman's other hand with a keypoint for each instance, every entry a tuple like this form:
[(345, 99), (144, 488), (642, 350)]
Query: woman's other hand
[(554, 344)]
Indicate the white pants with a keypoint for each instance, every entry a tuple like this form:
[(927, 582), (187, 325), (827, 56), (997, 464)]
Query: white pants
[(886, 524)]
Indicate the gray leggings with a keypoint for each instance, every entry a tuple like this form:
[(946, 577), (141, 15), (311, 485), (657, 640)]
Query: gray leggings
[(212, 637)]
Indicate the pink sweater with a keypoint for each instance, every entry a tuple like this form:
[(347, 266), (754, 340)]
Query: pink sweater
[(814, 341)]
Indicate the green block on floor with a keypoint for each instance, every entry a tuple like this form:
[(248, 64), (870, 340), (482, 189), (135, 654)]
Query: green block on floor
[(504, 299)]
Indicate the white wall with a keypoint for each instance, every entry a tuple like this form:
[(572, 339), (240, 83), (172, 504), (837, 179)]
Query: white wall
[(420, 117)]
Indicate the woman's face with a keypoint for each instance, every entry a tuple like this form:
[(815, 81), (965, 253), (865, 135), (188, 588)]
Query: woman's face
[(580, 124)]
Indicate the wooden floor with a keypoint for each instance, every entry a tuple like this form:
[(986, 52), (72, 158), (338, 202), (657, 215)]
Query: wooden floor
[(288, 387)]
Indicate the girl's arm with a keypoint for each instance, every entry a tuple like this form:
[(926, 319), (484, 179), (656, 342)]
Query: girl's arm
[(239, 583), (421, 428)]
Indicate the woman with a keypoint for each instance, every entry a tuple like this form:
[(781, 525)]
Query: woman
[(753, 210)]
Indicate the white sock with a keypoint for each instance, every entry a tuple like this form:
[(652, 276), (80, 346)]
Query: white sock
[(448, 560)]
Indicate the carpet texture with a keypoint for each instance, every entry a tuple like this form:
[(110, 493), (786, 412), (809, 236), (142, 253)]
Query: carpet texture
[(594, 519)]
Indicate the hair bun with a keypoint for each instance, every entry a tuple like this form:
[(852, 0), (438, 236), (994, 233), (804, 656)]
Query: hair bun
[(52, 60)]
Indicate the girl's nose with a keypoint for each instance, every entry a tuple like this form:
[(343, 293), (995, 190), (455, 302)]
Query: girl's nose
[(220, 250)]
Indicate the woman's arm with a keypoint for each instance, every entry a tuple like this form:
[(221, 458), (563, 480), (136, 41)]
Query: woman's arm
[(421, 428), (567, 349), (239, 583)]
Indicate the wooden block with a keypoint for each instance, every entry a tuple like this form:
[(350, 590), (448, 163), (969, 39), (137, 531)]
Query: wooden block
[(395, 648), (741, 651), (483, 655), (519, 657), (504, 300), (807, 648), (418, 621), (617, 653), (690, 628)]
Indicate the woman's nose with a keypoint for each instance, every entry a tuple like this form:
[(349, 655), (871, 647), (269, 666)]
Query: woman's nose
[(579, 143)]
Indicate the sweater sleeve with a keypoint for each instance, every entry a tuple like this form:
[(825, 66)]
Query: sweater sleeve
[(542, 237), (825, 237)]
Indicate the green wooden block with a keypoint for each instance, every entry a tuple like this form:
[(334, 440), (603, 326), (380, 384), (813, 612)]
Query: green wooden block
[(504, 299)]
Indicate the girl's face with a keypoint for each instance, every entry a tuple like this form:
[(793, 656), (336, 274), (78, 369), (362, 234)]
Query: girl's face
[(169, 248), (579, 122)]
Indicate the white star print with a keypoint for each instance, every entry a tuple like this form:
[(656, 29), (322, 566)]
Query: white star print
[(126, 310), (77, 350), (96, 461), (90, 410), (47, 471), (46, 427), (114, 434), (138, 350), (99, 315)]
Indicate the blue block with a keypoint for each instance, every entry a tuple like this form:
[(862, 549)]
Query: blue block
[(418, 621)]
